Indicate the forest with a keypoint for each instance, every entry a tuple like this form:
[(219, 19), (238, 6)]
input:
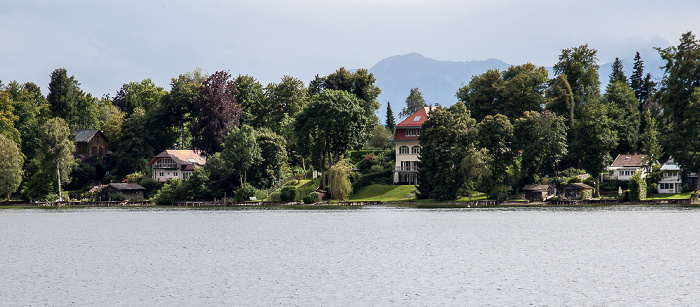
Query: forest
[(508, 128)]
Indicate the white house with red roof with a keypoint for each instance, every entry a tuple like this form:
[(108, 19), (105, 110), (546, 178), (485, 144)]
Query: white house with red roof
[(625, 166), (407, 147), (172, 164)]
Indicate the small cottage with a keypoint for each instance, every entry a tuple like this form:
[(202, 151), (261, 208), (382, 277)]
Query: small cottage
[(536, 192), (130, 190), (171, 164), (575, 191)]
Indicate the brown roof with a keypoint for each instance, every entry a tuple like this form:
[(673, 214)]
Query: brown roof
[(533, 187), (578, 186), (126, 186), (181, 157), (630, 160)]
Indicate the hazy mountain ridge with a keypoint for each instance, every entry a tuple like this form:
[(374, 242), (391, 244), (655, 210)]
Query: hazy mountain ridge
[(440, 80)]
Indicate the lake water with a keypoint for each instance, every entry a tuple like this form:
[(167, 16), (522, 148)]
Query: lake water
[(620, 256)]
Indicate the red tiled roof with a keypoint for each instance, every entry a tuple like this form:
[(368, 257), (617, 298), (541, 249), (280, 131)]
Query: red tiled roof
[(412, 121), (629, 160)]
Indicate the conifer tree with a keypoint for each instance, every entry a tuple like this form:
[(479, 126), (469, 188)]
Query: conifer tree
[(618, 74), (390, 122), (636, 81)]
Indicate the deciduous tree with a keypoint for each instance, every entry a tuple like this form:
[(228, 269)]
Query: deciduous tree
[(360, 84), (215, 112), (414, 102), (542, 138), (56, 153), (580, 65), (10, 166), (241, 151)]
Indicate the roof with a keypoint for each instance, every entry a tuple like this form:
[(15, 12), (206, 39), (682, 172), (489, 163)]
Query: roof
[(577, 186), (533, 187), (416, 119), (126, 186), (181, 157), (670, 165), (630, 161), (84, 136)]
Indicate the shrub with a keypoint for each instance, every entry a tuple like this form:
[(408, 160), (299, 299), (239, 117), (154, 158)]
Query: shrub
[(376, 169), (301, 193), (287, 194), (172, 192), (368, 162), (245, 193), (311, 198), (499, 192), (275, 196), (638, 187), (261, 194), (586, 194)]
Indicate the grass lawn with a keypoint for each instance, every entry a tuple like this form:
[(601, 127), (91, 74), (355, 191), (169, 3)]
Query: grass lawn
[(669, 196), (381, 192), (298, 184)]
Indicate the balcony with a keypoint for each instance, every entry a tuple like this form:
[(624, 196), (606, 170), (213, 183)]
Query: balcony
[(410, 169)]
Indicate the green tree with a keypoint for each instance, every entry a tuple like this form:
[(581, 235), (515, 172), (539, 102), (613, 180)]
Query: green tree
[(649, 140), (111, 120), (580, 65), (175, 110), (495, 135), (172, 192), (594, 138), (241, 151), (623, 111), (198, 185), (542, 138), (481, 96), (414, 102), (56, 152), (446, 138), (63, 95), (560, 100), (215, 112), (8, 118), (637, 78), (360, 84), (379, 137), (252, 100), (282, 102), (10, 166), (327, 138), (133, 95), (477, 169), (681, 81), (27, 101), (390, 121), (638, 187), (273, 159), (134, 148), (511, 93), (339, 180), (618, 73)]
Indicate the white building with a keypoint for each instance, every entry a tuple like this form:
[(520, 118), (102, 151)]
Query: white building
[(625, 166), (407, 147), (172, 164), (671, 180)]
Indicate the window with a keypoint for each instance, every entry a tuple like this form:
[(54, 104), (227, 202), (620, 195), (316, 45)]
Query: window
[(413, 132), (175, 174), (403, 150), (415, 150), (161, 174), (165, 163), (417, 118)]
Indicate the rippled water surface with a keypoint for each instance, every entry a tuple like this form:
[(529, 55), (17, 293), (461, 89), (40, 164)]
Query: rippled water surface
[(376, 256)]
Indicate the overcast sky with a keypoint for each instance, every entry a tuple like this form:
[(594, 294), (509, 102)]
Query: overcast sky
[(105, 44)]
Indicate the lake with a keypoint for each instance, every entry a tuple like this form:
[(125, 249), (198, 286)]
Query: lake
[(377, 256)]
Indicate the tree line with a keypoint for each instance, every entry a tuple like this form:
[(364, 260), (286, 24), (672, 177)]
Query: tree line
[(508, 127)]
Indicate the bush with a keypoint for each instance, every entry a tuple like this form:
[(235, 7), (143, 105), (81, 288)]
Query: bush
[(287, 194), (302, 192), (311, 198), (261, 194), (245, 193), (376, 169), (117, 197), (586, 194), (499, 192), (275, 196), (638, 187)]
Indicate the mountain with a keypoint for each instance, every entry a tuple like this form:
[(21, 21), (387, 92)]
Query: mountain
[(438, 81)]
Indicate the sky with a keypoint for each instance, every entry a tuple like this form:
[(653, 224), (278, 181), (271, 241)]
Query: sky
[(106, 44)]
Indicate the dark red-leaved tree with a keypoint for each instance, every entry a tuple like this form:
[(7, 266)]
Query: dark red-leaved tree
[(215, 112)]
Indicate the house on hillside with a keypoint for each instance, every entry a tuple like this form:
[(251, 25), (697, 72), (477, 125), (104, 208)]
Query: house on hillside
[(407, 148), (130, 190), (625, 166), (575, 191), (90, 143), (172, 164)]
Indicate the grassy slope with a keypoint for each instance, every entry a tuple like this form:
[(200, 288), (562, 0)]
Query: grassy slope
[(669, 196), (380, 192)]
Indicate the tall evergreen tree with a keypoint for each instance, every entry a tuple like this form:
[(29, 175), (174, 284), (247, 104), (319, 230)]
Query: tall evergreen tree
[(618, 73), (649, 140), (390, 121), (637, 78), (414, 102)]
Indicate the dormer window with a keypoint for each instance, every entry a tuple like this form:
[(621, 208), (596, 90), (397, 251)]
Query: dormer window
[(413, 132), (417, 118)]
